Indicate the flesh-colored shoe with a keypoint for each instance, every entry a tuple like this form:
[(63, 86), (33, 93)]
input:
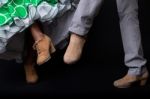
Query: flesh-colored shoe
[(128, 80), (44, 49), (30, 73), (74, 49)]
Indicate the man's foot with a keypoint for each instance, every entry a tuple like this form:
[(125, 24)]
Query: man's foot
[(44, 48), (128, 80), (74, 49)]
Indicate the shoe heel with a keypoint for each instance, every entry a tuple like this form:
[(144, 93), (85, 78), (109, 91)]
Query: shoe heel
[(30, 73), (52, 48), (143, 82)]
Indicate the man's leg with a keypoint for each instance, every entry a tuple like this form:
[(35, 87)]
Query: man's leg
[(130, 31), (80, 26), (74, 49)]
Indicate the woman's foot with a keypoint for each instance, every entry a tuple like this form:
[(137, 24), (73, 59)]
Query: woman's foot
[(44, 48), (30, 73), (128, 80), (74, 49)]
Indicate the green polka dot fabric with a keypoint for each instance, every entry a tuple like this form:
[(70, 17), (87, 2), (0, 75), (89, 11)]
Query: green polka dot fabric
[(18, 8)]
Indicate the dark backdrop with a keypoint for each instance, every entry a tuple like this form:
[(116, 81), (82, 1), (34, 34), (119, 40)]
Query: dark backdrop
[(101, 63)]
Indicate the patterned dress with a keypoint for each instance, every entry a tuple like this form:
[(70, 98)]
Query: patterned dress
[(17, 15)]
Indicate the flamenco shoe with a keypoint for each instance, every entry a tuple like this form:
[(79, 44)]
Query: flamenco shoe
[(128, 80), (44, 48), (74, 49), (30, 73)]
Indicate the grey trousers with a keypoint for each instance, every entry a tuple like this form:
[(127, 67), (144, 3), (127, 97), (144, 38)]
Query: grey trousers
[(129, 26), (131, 37)]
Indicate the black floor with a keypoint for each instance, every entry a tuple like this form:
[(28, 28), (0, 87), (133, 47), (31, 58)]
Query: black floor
[(57, 79), (101, 63)]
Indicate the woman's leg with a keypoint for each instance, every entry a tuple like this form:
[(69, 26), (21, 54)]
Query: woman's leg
[(43, 44), (36, 32), (30, 71)]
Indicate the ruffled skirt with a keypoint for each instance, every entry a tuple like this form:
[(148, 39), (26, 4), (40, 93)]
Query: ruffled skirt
[(17, 15)]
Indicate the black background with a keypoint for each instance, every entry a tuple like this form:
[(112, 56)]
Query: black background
[(102, 63)]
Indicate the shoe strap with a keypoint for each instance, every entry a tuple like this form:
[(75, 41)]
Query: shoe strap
[(35, 44)]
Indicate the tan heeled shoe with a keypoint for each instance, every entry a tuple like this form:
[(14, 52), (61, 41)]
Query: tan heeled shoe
[(74, 49), (30, 73), (128, 80), (44, 48)]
